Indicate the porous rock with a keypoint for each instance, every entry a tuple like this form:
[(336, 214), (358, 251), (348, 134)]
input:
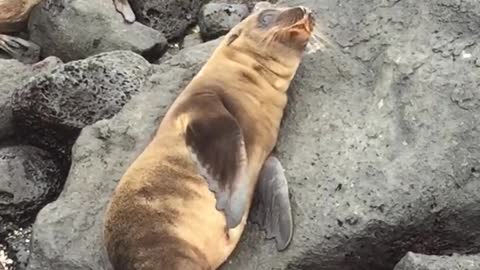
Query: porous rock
[(67, 232), (77, 29), (29, 179), (216, 19), (414, 261), (380, 143), (52, 107), (13, 74), (170, 17)]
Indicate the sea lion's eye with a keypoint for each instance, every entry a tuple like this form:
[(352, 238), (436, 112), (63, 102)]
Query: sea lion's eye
[(266, 18)]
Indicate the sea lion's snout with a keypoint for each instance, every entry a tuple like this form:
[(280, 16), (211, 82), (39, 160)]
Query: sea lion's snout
[(299, 17)]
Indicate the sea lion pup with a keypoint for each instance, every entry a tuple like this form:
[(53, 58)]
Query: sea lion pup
[(218, 135), (14, 16)]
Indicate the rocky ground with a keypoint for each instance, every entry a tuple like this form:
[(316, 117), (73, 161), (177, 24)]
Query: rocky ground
[(381, 138)]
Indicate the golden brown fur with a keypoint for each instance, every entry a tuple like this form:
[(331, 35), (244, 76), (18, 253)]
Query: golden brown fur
[(14, 14), (162, 214)]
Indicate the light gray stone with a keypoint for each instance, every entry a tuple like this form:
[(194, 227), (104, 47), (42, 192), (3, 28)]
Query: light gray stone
[(414, 261), (77, 29), (216, 19)]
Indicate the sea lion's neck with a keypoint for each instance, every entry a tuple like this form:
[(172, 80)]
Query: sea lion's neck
[(274, 71)]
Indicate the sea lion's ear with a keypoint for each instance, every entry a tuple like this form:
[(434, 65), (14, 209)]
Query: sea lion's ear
[(232, 37), (217, 146), (271, 207)]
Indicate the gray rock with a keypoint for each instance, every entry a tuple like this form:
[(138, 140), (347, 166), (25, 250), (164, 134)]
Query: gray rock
[(413, 261), (52, 107), (192, 39), (29, 179), (216, 19), (66, 234), (77, 29), (380, 144), (13, 74), (171, 17)]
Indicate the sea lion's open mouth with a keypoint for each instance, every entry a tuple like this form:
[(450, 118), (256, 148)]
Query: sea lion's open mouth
[(298, 18)]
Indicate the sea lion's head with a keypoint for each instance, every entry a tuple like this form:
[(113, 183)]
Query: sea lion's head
[(274, 30)]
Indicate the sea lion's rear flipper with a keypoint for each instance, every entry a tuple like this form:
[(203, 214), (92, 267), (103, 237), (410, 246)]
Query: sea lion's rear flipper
[(124, 8), (217, 145), (20, 49), (271, 207)]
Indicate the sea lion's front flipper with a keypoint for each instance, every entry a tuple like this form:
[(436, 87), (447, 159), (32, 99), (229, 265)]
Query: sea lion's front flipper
[(217, 145), (20, 49), (124, 8), (271, 207)]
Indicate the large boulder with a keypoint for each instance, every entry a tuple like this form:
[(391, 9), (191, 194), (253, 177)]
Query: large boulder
[(380, 144), (13, 74), (414, 261), (170, 17), (52, 107), (66, 234), (77, 29)]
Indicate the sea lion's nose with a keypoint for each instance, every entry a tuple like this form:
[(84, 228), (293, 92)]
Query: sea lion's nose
[(306, 10)]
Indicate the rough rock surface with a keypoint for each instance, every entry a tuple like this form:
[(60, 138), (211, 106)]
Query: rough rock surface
[(171, 17), (380, 144), (29, 179), (13, 74), (18, 247), (77, 29), (52, 107), (192, 39), (216, 19), (413, 261), (66, 234)]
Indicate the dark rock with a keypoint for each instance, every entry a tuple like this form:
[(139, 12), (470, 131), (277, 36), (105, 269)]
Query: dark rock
[(66, 234), (216, 19), (13, 74), (29, 179), (413, 261), (77, 29), (171, 17), (52, 107)]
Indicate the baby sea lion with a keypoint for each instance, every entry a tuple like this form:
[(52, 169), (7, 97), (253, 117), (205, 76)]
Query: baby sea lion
[(184, 202), (14, 16)]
